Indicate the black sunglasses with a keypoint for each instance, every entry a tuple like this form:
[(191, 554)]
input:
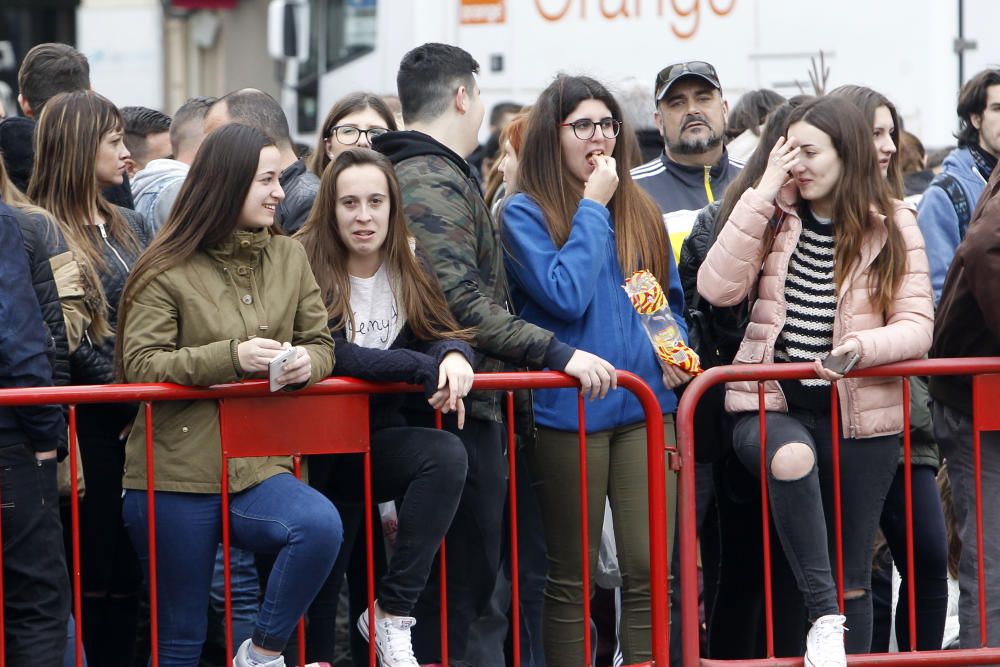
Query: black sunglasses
[(671, 73)]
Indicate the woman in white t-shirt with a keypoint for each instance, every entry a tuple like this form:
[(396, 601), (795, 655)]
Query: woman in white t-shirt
[(390, 322)]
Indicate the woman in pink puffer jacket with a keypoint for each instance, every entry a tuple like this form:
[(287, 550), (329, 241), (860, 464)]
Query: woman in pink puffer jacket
[(838, 268)]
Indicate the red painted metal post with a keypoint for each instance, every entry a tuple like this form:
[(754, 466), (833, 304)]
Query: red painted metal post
[(977, 452), (515, 583), (687, 533), (370, 555), (765, 524), (74, 510), (443, 595), (301, 631), (911, 568), (838, 511), (226, 565), (154, 631), (584, 528)]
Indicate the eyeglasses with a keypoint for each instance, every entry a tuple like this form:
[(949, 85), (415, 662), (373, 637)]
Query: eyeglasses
[(671, 73), (349, 134), (584, 129)]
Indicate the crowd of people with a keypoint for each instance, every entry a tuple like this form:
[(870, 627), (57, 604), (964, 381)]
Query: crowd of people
[(197, 248)]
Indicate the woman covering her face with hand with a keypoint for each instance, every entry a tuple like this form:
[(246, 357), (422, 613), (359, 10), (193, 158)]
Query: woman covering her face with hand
[(215, 298), (391, 323), (845, 275), (577, 227)]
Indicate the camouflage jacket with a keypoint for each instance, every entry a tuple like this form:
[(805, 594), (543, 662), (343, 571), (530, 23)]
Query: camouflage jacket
[(446, 213)]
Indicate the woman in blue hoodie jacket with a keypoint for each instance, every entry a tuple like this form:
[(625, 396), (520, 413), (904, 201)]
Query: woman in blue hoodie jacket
[(578, 227)]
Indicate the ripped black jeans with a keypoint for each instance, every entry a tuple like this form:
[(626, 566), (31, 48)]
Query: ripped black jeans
[(803, 511)]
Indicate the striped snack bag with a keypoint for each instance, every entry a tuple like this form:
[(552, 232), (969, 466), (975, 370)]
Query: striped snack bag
[(650, 302)]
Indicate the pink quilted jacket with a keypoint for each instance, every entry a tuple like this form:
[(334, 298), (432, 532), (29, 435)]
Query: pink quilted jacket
[(869, 406)]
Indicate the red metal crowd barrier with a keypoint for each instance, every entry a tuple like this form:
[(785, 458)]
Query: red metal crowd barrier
[(249, 428), (986, 394)]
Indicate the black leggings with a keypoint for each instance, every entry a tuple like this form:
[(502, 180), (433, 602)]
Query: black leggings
[(802, 510), (930, 558), (426, 469)]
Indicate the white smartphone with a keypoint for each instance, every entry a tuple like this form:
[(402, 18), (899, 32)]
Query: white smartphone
[(277, 366)]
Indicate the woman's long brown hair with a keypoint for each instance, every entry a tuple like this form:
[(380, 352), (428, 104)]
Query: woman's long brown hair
[(640, 235), (205, 213), (859, 189), (427, 312), (64, 183), (868, 101)]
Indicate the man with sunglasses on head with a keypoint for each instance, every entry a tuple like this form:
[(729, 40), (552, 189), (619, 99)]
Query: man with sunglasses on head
[(692, 172), (694, 167)]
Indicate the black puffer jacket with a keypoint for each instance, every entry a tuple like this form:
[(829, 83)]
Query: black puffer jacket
[(22, 339), (33, 229), (714, 333), (300, 186), (93, 363)]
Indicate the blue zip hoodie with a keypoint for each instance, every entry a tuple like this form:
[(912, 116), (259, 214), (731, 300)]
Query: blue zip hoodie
[(576, 292), (937, 218)]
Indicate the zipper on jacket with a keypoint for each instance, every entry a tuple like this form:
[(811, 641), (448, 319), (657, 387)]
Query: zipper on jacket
[(107, 242), (708, 184)]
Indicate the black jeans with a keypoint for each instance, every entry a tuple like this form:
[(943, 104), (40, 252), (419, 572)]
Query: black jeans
[(424, 467), (36, 595), (473, 543), (351, 567), (110, 571), (803, 511), (930, 558), (706, 521)]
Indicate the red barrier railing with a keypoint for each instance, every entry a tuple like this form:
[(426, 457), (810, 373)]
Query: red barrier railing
[(247, 431), (986, 392)]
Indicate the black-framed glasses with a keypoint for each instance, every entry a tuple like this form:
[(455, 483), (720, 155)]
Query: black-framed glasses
[(671, 73), (584, 129), (350, 134)]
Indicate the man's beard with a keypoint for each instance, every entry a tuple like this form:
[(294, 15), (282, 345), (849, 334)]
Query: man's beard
[(694, 146)]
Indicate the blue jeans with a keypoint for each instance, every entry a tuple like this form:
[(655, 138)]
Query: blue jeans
[(281, 515), (245, 593)]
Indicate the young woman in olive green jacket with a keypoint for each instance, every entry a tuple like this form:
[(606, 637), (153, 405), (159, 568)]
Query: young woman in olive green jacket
[(213, 300)]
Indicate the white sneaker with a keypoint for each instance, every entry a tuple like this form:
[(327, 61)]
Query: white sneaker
[(241, 658), (392, 640), (825, 642)]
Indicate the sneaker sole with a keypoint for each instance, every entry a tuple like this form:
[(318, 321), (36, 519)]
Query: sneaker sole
[(807, 662), (363, 629)]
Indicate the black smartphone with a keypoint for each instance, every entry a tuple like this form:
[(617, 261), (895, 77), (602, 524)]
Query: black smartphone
[(842, 363)]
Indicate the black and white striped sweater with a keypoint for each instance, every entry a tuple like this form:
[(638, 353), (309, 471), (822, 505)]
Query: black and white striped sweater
[(811, 302)]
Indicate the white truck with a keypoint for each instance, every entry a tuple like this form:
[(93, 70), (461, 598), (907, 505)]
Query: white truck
[(913, 51)]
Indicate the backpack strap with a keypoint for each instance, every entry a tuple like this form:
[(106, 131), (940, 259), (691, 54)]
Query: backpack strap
[(958, 198)]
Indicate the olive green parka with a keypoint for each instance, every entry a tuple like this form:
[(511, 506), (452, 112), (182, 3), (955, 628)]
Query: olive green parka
[(184, 326)]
